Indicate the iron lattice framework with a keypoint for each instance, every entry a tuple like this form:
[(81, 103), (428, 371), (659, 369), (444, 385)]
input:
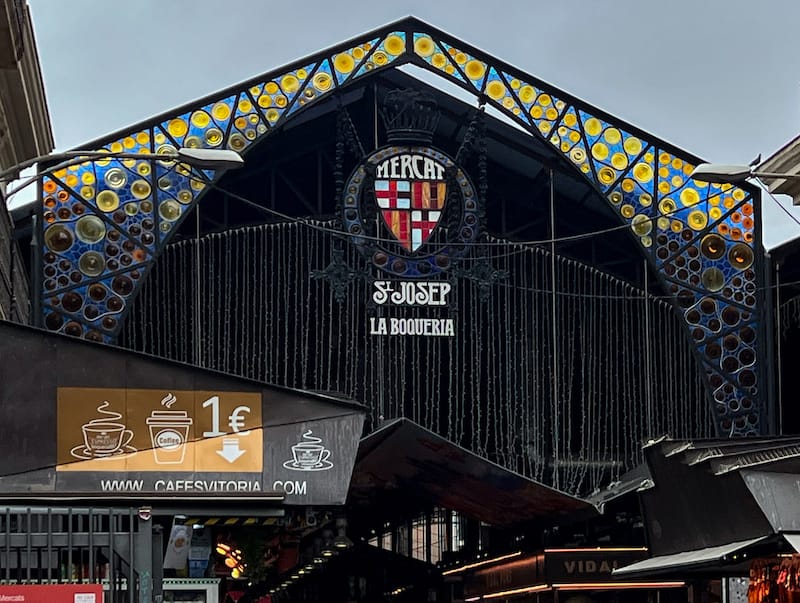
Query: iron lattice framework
[(105, 222)]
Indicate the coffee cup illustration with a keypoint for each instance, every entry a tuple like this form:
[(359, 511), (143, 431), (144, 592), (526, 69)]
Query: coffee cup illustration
[(309, 455), (169, 432), (104, 437)]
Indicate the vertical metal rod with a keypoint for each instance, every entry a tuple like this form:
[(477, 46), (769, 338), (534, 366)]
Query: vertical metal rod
[(648, 355), (28, 536), (554, 329), (36, 269), (49, 543), (197, 343), (112, 570), (69, 544), (374, 115), (778, 336), (8, 544), (132, 585), (91, 544)]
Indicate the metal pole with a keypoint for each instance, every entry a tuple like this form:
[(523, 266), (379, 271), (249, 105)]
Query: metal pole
[(554, 329), (778, 336)]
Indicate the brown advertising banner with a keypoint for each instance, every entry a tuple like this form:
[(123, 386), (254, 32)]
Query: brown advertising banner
[(114, 422), (155, 430)]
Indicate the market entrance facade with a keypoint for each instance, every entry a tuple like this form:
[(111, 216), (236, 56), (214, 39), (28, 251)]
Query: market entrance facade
[(540, 295)]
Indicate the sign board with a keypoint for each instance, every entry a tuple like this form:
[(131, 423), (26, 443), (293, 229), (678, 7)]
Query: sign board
[(126, 423), (52, 593)]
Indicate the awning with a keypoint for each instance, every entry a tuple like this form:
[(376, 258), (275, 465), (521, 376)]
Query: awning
[(793, 540), (689, 561), (403, 467)]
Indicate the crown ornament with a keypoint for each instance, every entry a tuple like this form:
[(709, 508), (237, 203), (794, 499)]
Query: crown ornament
[(410, 116)]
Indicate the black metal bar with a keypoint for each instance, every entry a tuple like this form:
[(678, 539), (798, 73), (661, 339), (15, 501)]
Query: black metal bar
[(8, 544), (112, 570), (28, 545), (132, 582), (49, 543), (69, 544), (91, 544)]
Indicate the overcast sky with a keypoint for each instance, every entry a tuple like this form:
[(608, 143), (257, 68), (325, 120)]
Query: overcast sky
[(719, 78)]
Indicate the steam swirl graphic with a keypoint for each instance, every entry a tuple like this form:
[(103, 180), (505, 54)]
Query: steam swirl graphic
[(168, 400), (111, 415), (310, 438)]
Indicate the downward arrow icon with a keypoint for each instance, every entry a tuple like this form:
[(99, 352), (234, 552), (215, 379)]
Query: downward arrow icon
[(230, 449)]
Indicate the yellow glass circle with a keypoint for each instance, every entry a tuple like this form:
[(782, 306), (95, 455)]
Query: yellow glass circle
[(449, 69), (495, 89), (536, 112), (593, 126), (301, 74), (273, 115), (544, 127), (677, 181), (322, 81), (632, 145), (515, 83), (715, 213), (128, 142), (72, 180), (663, 172), (200, 119), (213, 137), (379, 58), (645, 199), (140, 189), (577, 155), (508, 102), (184, 196), (394, 45), (160, 138), (116, 147), (264, 101), (619, 161), (585, 168), (237, 142), (245, 106), (667, 206), (460, 58), (738, 194), (221, 111), (474, 69), (643, 172), (664, 158), (727, 202), (551, 113), (627, 210), (144, 169), (606, 175), (599, 151), (343, 63), (358, 53), (689, 197), (574, 136), (281, 101), (191, 142), (290, 83), (87, 178), (677, 163), (570, 120), (662, 223), (615, 197), (177, 127), (697, 220), (424, 46), (527, 94), (107, 201), (641, 225), (628, 185), (271, 88), (544, 100), (676, 225), (439, 60), (612, 136), (240, 122)]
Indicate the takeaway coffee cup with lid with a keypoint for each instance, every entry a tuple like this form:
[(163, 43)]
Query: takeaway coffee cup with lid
[(169, 432)]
